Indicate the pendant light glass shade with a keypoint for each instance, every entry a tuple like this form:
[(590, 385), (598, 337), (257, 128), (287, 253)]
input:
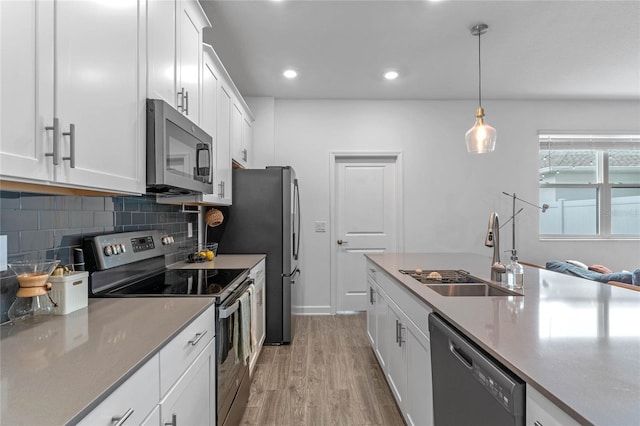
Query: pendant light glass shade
[(481, 138)]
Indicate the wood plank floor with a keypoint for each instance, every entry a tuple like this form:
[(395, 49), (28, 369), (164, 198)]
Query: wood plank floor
[(327, 376)]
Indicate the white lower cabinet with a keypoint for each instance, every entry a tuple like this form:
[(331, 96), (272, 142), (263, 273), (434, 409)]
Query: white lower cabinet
[(177, 386), (542, 412), (132, 401), (258, 313), (401, 346), (189, 401)]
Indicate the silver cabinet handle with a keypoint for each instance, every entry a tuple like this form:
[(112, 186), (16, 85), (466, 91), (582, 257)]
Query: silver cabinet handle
[(397, 331), (56, 142), (186, 101), (371, 300), (244, 155), (119, 420), (341, 242), (72, 145), (197, 338), (537, 423), (400, 337), (180, 106), (174, 420), (221, 189)]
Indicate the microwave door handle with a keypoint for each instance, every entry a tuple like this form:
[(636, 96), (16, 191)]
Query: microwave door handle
[(199, 148)]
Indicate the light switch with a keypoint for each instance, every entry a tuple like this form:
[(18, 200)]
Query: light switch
[(321, 226)]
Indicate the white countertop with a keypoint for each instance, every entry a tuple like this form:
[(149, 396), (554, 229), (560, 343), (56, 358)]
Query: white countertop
[(56, 371), (574, 340)]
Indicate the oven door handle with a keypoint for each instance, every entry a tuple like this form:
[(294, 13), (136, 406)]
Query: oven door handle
[(227, 311)]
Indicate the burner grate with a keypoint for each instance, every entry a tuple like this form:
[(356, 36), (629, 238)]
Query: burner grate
[(440, 276)]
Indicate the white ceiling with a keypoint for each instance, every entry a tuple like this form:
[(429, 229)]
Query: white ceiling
[(540, 49)]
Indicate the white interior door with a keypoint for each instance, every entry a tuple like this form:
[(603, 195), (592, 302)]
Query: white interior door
[(366, 213)]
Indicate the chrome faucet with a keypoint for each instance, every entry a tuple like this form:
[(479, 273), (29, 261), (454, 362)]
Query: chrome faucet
[(493, 240)]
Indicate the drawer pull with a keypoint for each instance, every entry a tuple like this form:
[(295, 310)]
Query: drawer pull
[(174, 420), (197, 338), (119, 420), (537, 423)]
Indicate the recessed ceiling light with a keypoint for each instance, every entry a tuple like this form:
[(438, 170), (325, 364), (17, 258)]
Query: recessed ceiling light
[(290, 73), (391, 75)]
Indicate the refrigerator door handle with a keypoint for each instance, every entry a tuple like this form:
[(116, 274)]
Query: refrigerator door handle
[(292, 274), (296, 232)]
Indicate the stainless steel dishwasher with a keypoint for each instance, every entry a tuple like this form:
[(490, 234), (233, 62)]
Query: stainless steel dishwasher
[(470, 387)]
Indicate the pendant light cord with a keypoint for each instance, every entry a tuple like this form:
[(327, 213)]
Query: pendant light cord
[(479, 72)]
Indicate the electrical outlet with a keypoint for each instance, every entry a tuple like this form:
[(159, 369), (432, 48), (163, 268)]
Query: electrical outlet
[(189, 230), (321, 226)]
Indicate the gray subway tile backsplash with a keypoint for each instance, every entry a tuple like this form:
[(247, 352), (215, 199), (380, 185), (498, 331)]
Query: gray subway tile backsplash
[(42, 226)]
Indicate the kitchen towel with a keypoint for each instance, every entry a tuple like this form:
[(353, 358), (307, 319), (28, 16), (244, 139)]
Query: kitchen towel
[(243, 347)]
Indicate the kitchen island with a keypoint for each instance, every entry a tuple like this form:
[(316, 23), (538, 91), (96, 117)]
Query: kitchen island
[(577, 342), (56, 371)]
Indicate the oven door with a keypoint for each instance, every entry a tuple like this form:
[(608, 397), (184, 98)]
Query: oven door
[(233, 368)]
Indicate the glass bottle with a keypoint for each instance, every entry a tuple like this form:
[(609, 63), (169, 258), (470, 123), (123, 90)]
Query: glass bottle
[(514, 274)]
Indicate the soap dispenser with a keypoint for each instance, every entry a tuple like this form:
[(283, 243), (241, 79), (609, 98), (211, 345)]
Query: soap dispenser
[(514, 274)]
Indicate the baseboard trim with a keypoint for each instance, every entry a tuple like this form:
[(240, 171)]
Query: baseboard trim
[(311, 310)]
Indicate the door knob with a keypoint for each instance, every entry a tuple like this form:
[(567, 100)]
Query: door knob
[(340, 242)]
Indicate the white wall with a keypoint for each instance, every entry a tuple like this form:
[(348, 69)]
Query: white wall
[(449, 193), (263, 149)]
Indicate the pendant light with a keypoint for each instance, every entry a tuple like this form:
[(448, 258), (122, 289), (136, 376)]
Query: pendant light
[(481, 138)]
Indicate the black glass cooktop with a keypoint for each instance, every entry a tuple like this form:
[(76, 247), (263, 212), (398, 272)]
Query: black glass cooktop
[(180, 282)]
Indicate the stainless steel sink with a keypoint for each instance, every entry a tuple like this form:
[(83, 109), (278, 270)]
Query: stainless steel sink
[(478, 289), (457, 282)]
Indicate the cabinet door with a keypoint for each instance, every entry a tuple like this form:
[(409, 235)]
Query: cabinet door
[(209, 112), (190, 23), (134, 399), (161, 50), (419, 397), (189, 401), (236, 134), (223, 146), (384, 339), (395, 371), (100, 96), (26, 89), (371, 313), (247, 140)]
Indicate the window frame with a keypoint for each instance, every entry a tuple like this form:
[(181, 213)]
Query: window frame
[(601, 143)]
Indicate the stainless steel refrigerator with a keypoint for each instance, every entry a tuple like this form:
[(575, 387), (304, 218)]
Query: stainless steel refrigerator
[(265, 218)]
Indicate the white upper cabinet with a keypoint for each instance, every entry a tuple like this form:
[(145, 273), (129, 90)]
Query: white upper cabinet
[(241, 133), (190, 22), (215, 121), (174, 34), (161, 51), (99, 74), (25, 110), (75, 119)]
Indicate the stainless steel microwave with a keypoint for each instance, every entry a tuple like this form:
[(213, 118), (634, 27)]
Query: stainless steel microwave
[(179, 153)]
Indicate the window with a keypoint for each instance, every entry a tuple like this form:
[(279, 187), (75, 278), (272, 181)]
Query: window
[(591, 184)]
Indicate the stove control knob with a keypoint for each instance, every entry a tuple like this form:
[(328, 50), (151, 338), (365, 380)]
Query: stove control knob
[(165, 240), (108, 250), (122, 248), (171, 240)]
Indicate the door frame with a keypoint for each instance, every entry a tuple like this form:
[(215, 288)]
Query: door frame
[(372, 155)]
